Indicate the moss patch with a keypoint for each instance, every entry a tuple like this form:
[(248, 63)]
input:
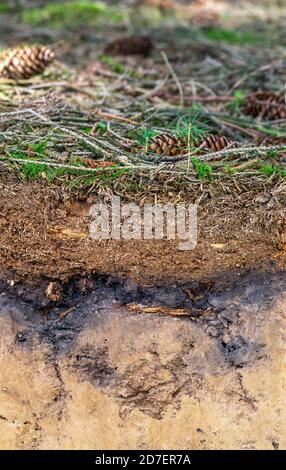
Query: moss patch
[(72, 14), (238, 37)]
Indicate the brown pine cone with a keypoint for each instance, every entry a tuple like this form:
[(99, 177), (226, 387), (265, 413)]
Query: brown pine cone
[(130, 46), (161, 4), (25, 62), (215, 143), (167, 145), (266, 105)]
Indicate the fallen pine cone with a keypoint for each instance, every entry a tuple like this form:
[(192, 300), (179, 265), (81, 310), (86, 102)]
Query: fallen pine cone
[(22, 63), (130, 46), (161, 4), (165, 144), (216, 143), (267, 105)]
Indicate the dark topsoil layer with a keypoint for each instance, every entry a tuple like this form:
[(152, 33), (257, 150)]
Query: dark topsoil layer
[(44, 235)]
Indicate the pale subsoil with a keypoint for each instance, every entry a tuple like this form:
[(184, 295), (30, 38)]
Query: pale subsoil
[(104, 378)]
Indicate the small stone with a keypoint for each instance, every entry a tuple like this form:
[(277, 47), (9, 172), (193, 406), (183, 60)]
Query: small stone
[(214, 302), (230, 313), (226, 339), (218, 246), (212, 331), (224, 322), (214, 322), (53, 292)]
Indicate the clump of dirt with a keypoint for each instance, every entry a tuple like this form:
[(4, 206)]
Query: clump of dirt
[(94, 365), (150, 382)]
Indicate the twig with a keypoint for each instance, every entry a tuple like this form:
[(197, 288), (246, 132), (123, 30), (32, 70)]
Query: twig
[(179, 86), (116, 117)]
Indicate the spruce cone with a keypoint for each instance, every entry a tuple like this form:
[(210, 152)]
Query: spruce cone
[(25, 62), (165, 144), (266, 105), (161, 4), (215, 143), (130, 46)]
